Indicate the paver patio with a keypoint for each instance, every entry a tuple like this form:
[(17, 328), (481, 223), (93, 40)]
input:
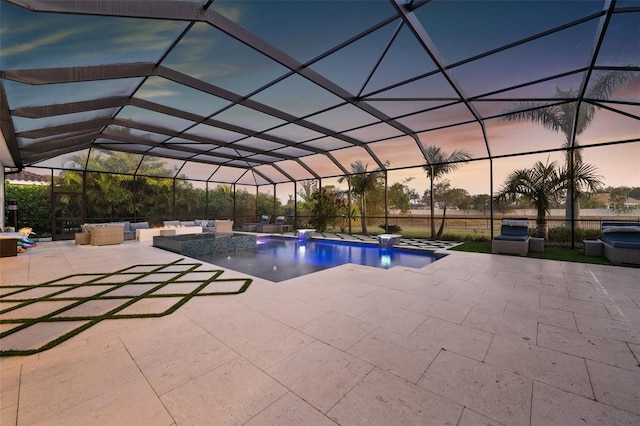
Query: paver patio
[(471, 339)]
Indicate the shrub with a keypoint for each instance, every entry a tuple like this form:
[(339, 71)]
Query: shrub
[(592, 234), (391, 228), (34, 206), (563, 235)]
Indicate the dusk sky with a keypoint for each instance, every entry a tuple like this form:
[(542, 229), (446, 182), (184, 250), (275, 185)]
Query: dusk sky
[(382, 65)]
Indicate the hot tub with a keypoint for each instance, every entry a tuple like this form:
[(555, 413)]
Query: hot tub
[(205, 244)]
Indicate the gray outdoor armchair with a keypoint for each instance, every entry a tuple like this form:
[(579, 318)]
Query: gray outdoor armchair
[(513, 238)]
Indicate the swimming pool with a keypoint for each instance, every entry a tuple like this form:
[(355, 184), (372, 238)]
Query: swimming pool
[(278, 259)]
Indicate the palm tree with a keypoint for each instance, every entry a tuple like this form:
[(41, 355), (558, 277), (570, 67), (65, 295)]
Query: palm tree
[(544, 183), (561, 118), (439, 164), (361, 182)]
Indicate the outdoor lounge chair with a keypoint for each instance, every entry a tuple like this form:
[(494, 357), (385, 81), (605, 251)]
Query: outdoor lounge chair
[(278, 226), (513, 238), (281, 222), (252, 227), (621, 242)]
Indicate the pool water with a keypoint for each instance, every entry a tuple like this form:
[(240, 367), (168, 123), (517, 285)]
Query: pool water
[(278, 259)]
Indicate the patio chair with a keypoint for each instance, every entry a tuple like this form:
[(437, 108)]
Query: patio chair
[(251, 227), (513, 238), (621, 242), (281, 222), (277, 226)]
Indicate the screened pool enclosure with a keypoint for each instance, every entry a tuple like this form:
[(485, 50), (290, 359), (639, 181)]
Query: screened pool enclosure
[(152, 110)]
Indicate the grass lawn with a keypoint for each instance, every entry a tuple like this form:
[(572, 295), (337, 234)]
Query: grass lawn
[(550, 253)]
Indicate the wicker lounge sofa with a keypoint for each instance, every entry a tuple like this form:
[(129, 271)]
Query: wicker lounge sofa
[(128, 233), (105, 234), (621, 242), (130, 228), (513, 238), (208, 226)]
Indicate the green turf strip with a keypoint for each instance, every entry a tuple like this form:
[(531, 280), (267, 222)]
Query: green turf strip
[(76, 281)]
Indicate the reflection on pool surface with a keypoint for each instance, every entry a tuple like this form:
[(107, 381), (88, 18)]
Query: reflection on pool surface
[(277, 259)]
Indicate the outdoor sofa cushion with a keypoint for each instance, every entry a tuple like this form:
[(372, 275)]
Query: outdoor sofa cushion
[(514, 230), (513, 238), (251, 227), (264, 219), (139, 225), (621, 235), (131, 234), (127, 225), (127, 233)]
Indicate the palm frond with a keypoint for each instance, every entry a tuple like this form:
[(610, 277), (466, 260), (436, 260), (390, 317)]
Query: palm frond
[(538, 184), (548, 116), (586, 179), (560, 117), (604, 85), (441, 163)]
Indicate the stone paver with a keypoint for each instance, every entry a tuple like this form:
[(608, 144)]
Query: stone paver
[(452, 337), (383, 399), (320, 374), (588, 346), (616, 386), (490, 391), (553, 406), (558, 369), (231, 394), (397, 354), (338, 330), (290, 410)]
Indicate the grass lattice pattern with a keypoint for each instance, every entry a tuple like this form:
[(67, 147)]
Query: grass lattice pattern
[(402, 243), (34, 318)]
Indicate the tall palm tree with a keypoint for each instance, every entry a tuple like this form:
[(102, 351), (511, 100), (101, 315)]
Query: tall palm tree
[(439, 164), (561, 118), (544, 183), (361, 182)]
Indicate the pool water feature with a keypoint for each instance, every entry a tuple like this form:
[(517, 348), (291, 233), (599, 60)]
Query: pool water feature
[(278, 259)]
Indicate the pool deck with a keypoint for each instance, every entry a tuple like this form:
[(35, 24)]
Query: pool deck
[(402, 243), (472, 339)]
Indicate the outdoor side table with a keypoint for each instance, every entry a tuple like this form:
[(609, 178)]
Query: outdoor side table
[(536, 244), (593, 247), (8, 245)]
